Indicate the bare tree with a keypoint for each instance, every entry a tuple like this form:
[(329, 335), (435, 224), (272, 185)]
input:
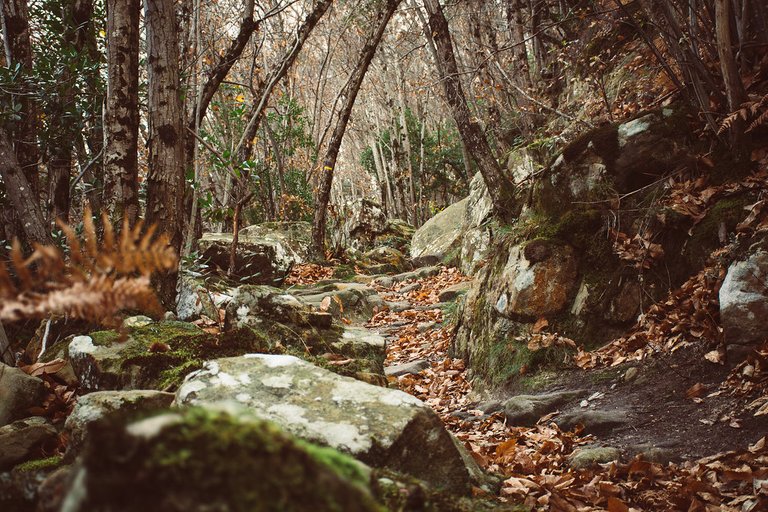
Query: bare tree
[(350, 95), (500, 189)]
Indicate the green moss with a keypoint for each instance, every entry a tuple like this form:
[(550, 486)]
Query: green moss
[(40, 464), (344, 272), (104, 338), (212, 461), (705, 236)]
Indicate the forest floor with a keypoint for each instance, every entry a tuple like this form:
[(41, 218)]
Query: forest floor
[(695, 422)]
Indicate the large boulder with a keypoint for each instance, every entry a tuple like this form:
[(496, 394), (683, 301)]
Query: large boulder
[(537, 280), (351, 301), (96, 406), (18, 393), (381, 427), (23, 439), (476, 238), (440, 237), (264, 253), (202, 461), (744, 300)]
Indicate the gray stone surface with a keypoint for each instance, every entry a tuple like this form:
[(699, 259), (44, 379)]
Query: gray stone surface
[(94, 406), (399, 370), (589, 456), (594, 421), (18, 392), (379, 426), (744, 300), (21, 440), (440, 236), (525, 410), (452, 292)]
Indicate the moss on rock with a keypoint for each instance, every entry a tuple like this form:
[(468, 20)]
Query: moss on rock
[(200, 460)]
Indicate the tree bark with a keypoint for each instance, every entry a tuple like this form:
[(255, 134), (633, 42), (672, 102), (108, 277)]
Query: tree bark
[(121, 129), (18, 50), (734, 88), (332, 152), (500, 189), (165, 184), (21, 194)]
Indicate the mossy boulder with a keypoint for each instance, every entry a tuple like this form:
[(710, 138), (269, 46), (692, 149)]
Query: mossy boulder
[(440, 236), (95, 406), (199, 460), (379, 426)]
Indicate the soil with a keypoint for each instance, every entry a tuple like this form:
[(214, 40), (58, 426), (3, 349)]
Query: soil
[(660, 413)]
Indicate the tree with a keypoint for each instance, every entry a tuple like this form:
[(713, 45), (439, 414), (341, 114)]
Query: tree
[(121, 129), (349, 94), (500, 189), (21, 194), (18, 51), (165, 184)]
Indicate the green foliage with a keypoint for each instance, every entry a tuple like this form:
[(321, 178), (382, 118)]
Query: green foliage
[(443, 162)]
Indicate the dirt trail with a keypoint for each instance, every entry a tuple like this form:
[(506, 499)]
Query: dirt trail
[(671, 409)]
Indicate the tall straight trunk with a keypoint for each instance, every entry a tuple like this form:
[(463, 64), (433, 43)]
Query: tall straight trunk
[(734, 87), (21, 194), (519, 52), (499, 188), (77, 16), (165, 186), (121, 127), (18, 51), (350, 95), (406, 143)]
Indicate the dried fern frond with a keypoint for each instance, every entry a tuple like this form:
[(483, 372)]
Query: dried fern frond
[(95, 283), (755, 111)]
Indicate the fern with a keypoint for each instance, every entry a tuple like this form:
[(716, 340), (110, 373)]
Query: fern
[(95, 283), (754, 111)]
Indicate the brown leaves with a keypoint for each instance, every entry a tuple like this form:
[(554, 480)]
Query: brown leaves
[(308, 273), (638, 250)]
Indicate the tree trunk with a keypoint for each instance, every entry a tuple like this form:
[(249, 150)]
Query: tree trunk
[(734, 88), (21, 194), (500, 189), (165, 186), (219, 72), (332, 152), (18, 50), (121, 128)]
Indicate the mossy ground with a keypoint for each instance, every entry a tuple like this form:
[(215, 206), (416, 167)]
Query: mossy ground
[(166, 352)]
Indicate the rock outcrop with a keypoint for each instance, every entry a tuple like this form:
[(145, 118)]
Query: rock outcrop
[(265, 252), (744, 300), (18, 393), (379, 426)]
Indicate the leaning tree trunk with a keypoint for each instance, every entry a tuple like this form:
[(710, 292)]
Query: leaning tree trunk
[(121, 128), (21, 194), (350, 95), (500, 189), (165, 186), (18, 50)]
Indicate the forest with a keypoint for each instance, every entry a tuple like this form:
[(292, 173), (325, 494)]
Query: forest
[(383, 255)]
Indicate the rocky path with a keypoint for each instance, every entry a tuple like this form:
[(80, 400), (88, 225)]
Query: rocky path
[(625, 438)]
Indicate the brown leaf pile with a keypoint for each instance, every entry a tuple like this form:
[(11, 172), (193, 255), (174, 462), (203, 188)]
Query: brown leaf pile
[(429, 291), (638, 250), (308, 273)]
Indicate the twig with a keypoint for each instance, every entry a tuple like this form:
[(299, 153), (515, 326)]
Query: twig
[(6, 355)]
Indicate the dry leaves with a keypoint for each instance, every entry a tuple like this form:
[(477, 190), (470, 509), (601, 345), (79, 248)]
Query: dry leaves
[(308, 273)]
